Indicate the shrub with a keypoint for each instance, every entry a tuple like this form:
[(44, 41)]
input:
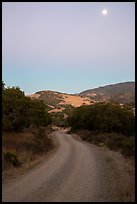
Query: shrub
[(128, 146), (12, 158), (41, 143), (102, 117), (19, 111), (114, 141)]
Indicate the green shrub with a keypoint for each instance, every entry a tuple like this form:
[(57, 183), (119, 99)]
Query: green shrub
[(19, 111), (41, 143), (114, 141), (102, 117), (128, 146), (12, 158)]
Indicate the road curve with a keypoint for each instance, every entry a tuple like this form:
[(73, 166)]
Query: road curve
[(74, 173)]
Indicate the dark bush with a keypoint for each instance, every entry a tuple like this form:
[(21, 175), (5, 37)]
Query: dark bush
[(19, 111), (12, 158), (114, 141), (128, 146), (41, 143), (103, 117)]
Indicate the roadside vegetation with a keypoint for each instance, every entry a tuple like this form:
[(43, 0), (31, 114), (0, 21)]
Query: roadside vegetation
[(106, 124), (60, 119), (22, 148), (26, 125), (25, 128)]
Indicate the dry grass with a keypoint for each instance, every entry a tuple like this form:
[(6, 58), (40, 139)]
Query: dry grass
[(75, 101), (55, 110), (124, 171), (15, 140), (20, 142), (25, 146)]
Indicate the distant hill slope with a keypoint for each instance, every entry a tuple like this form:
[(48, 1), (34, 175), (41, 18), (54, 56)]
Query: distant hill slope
[(120, 92), (57, 101)]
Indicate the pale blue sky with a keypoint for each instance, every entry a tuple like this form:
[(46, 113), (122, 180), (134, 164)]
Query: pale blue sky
[(67, 47)]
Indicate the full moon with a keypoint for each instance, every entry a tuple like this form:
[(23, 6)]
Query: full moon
[(104, 12)]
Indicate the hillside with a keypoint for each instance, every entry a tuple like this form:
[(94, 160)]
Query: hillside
[(120, 92), (57, 101)]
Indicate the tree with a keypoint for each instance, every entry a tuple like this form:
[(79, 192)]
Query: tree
[(37, 113), (19, 111), (104, 118)]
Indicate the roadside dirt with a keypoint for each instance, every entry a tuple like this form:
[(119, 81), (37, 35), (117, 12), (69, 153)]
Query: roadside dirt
[(13, 173), (74, 171)]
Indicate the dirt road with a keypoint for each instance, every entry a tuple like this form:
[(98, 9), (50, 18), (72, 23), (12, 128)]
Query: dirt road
[(76, 172)]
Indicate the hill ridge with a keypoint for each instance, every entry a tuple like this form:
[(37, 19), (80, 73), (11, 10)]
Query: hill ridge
[(123, 92)]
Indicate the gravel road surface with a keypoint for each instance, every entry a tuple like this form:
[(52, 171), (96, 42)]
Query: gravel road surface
[(77, 171)]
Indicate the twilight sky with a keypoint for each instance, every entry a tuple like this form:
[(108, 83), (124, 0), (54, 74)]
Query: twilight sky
[(67, 47)]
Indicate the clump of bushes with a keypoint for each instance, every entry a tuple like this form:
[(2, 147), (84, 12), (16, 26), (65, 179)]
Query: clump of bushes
[(105, 124), (103, 117), (114, 141), (19, 149), (128, 146), (23, 118), (19, 111), (41, 142), (11, 158)]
